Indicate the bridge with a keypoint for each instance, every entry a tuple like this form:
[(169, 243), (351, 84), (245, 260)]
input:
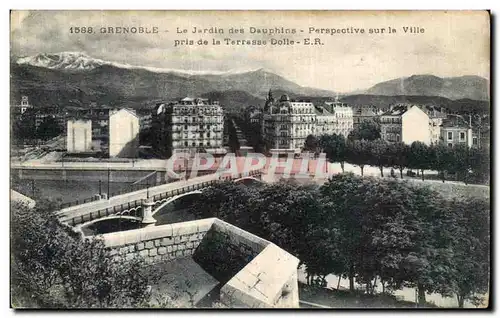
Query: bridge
[(141, 205)]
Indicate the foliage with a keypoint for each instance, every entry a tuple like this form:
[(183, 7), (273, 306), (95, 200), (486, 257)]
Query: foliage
[(359, 153), (367, 229), (311, 144), (471, 248), (367, 130), (469, 164), (49, 128), (335, 148), (53, 267)]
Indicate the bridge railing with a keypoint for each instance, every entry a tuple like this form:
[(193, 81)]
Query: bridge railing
[(134, 206)]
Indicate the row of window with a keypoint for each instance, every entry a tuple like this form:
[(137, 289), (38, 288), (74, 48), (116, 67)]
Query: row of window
[(462, 135), (198, 144)]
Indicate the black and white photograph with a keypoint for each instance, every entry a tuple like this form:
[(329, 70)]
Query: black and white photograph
[(305, 159)]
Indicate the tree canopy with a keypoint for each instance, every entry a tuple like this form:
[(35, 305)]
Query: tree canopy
[(54, 267)]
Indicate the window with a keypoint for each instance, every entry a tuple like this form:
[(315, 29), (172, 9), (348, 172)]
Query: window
[(185, 126), (398, 138), (462, 136), (450, 135), (450, 144), (474, 141)]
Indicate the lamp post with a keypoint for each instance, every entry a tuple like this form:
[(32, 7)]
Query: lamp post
[(109, 174)]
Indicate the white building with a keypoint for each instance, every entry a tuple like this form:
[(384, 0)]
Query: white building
[(404, 123), (337, 118), (189, 125), (123, 133), (111, 132), (286, 123), (79, 136)]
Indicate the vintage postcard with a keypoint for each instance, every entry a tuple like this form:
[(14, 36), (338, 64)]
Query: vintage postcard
[(250, 159)]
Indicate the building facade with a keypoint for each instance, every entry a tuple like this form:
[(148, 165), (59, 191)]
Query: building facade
[(189, 125), (123, 133), (253, 115), (455, 131), (405, 123), (286, 123), (114, 132), (343, 118), (79, 136), (364, 114)]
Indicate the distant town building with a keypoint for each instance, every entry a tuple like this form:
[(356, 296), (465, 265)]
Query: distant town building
[(189, 125), (114, 132), (456, 130), (123, 133), (79, 136), (405, 123), (21, 108), (145, 117), (364, 114), (343, 119), (253, 115), (286, 123), (436, 117)]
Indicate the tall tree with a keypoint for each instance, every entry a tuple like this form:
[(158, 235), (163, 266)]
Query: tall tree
[(334, 146), (461, 161), (311, 144), (53, 267), (359, 152), (471, 257), (420, 157), (380, 155), (400, 154), (443, 159), (367, 130)]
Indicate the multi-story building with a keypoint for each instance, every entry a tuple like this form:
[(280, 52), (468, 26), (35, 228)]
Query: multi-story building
[(114, 132), (343, 120), (253, 115), (436, 117), (79, 136), (145, 118), (455, 130), (364, 114), (405, 123), (286, 123), (189, 125)]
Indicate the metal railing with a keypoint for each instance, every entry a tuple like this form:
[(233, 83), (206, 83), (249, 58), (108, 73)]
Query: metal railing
[(156, 198)]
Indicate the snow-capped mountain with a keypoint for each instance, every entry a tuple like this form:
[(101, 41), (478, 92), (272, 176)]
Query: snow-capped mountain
[(79, 61), (71, 61)]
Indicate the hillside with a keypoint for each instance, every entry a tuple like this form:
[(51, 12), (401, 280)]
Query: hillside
[(75, 79), (463, 87), (380, 101)]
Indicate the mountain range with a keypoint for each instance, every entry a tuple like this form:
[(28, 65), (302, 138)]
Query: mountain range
[(76, 79)]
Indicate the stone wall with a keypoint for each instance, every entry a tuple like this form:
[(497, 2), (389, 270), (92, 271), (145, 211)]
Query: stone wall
[(254, 272), (226, 249), (160, 243)]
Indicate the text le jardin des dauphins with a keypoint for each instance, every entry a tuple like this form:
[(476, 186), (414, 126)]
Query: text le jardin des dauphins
[(269, 36)]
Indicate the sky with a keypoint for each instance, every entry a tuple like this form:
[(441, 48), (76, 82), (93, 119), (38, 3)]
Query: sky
[(453, 43)]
